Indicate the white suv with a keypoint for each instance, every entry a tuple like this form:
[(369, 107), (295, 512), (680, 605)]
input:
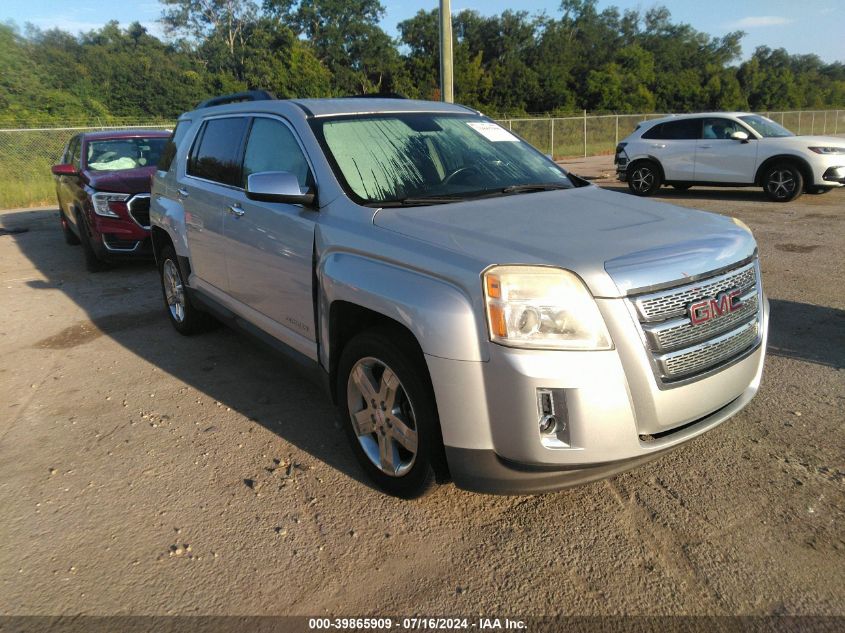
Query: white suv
[(729, 149)]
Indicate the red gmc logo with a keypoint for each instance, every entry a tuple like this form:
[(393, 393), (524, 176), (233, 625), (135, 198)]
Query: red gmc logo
[(708, 309)]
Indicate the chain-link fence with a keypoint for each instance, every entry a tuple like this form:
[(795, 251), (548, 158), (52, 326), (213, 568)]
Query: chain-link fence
[(27, 154), (592, 135)]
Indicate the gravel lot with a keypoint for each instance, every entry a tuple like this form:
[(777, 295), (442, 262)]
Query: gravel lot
[(146, 473)]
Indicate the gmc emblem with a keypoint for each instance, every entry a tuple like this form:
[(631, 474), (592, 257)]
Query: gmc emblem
[(707, 309)]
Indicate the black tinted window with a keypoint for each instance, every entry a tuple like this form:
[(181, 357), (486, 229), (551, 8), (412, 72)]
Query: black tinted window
[(169, 152), (216, 154), (272, 147), (685, 129)]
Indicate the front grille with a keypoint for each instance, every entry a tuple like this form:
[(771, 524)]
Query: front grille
[(680, 349), (673, 302), (139, 209)]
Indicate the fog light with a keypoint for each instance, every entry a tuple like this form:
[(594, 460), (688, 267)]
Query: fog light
[(548, 424), (552, 416)]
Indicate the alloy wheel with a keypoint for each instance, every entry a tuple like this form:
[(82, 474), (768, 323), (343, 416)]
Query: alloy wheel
[(174, 292), (642, 179), (382, 416), (781, 184)]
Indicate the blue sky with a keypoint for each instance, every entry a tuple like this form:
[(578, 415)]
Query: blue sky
[(805, 26)]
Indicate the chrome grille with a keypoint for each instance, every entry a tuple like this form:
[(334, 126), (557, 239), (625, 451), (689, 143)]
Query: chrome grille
[(674, 302), (676, 333), (139, 209), (680, 349), (705, 355)]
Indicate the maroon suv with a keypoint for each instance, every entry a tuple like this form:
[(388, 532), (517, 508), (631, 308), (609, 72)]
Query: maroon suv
[(103, 188)]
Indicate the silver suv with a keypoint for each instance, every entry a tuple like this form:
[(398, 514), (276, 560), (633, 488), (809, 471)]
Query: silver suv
[(475, 312)]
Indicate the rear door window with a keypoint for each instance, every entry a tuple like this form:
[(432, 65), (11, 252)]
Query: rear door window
[(216, 154), (682, 130)]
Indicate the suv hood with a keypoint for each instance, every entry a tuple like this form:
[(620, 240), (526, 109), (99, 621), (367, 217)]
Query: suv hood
[(808, 141), (615, 242), (122, 181)]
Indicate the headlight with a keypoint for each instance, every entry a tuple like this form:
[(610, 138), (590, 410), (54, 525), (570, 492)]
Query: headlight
[(107, 204), (828, 150), (540, 307)]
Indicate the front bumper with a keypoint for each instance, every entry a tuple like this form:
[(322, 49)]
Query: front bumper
[(118, 238), (834, 175), (617, 415)]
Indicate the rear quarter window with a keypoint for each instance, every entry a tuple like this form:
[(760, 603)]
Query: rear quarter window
[(169, 152)]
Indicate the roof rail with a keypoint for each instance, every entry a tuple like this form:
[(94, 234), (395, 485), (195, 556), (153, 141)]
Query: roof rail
[(247, 95), (376, 95)]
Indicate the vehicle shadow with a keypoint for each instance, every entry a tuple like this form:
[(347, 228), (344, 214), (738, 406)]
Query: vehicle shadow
[(228, 367), (668, 194), (815, 334)]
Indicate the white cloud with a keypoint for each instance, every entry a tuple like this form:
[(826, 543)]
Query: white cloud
[(754, 21)]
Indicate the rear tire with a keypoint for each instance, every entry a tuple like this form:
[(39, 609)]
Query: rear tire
[(183, 315), (387, 409), (783, 182), (70, 237), (644, 178)]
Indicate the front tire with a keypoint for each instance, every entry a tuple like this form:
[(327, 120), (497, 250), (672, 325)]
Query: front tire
[(186, 318), (93, 262), (387, 409), (67, 232), (644, 178), (783, 182)]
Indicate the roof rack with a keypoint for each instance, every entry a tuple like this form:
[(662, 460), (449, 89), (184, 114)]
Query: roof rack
[(376, 95), (247, 95)]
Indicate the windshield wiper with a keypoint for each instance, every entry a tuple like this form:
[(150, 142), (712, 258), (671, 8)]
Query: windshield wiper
[(543, 186), (414, 202)]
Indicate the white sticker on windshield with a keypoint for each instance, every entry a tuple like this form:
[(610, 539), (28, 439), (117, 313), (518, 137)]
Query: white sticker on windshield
[(492, 131)]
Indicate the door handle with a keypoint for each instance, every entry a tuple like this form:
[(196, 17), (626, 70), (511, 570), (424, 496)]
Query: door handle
[(236, 210), (659, 145), (704, 146), (183, 193)]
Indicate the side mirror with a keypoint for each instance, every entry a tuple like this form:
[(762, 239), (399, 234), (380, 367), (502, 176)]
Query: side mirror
[(739, 135), (65, 169), (277, 186)]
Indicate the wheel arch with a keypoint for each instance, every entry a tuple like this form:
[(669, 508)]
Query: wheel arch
[(356, 292), (648, 158), (799, 161)]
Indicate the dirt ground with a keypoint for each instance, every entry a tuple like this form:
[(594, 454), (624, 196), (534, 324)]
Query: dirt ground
[(146, 473)]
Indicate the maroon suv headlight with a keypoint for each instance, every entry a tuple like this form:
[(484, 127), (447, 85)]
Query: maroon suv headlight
[(108, 204)]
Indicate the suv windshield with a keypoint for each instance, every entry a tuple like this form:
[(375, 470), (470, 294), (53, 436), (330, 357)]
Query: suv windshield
[(432, 158), (124, 153), (765, 127)]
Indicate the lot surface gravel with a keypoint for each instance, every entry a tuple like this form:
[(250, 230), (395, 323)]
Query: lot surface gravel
[(142, 472)]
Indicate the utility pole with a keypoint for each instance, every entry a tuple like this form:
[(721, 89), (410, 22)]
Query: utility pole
[(446, 84)]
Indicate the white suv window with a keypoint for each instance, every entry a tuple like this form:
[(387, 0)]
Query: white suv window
[(682, 130), (720, 129)]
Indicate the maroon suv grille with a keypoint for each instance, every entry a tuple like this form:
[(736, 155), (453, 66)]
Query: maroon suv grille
[(139, 209)]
